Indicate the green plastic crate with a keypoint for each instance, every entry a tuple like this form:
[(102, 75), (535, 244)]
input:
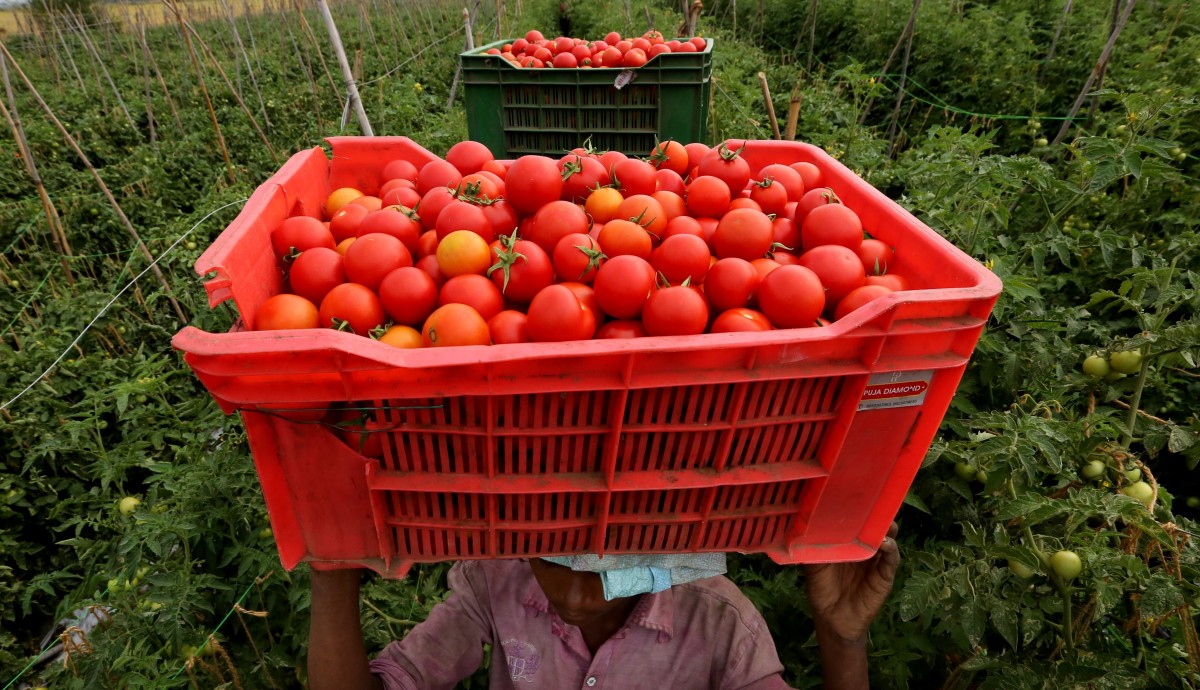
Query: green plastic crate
[(516, 111)]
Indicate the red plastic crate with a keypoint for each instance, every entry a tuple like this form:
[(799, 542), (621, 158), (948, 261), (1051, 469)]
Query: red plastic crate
[(797, 443)]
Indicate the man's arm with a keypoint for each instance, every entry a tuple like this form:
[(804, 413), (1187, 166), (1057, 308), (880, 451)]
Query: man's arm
[(337, 655), (845, 598)]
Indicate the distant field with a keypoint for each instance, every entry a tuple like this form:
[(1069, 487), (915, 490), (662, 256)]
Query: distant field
[(154, 12)]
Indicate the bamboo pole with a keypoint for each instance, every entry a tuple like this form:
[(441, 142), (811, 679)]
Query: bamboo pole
[(91, 47), (312, 82), (793, 113), (906, 33), (67, 49), (162, 83), (316, 46), (892, 127), (99, 181), (237, 39), (468, 45), (762, 79), (1100, 62), (347, 76), (212, 114), (1058, 32), (13, 117)]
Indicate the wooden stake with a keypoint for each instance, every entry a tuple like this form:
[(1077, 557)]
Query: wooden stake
[(1058, 32), (52, 218), (212, 114), (1096, 69), (905, 34), (762, 79), (312, 39), (903, 78), (158, 75), (347, 76), (99, 181), (469, 44), (793, 113), (87, 42)]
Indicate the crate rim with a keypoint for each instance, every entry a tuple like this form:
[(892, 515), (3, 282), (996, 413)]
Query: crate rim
[(476, 53)]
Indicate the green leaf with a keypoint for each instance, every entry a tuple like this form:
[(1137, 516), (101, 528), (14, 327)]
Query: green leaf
[(1004, 617)]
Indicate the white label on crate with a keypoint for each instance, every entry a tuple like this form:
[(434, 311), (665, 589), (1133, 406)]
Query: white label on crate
[(896, 389), (624, 78)]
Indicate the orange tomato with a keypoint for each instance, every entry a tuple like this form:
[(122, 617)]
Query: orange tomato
[(462, 252), (602, 204), (404, 337), (339, 198), (455, 324)]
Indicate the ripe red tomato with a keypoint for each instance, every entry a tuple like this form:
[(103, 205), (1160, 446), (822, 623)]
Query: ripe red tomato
[(502, 217), (745, 202), (344, 223), (300, 233), (587, 297), (622, 285), (556, 315), (672, 205), (680, 258), (684, 225), (791, 297), (817, 196), (634, 177), (531, 183), (701, 44), (838, 268), (521, 270), (810, 174), (831, 224), (787, 176), (476, 291), (554, 221), (462, 215), (657, 49), (670, 155), (437, 173), (770, 195), (468, 156), (695, 152), (508, 327), (373, 256), (455, 324), (876, 256), (612, 38), (646, 211), (726, 163), (731, 283), (371, 203), (669, 181), (743, 233), (611, 57), (315, 272), (859, 297), (429, 264), (399, 169), (478, 187), (389, 221), (675, 311), (409, 295), (565, 60), (533, 36), (352, 307), (624, 328), (432, 203), (741, 320), (786, 233), (577, 257), (892, 281), (581, 175), (610, 158), (708, 196), (401, 196), (427, 244), (284, 312)]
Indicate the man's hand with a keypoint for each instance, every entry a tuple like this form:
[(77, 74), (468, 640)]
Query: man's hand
[(846, 597)]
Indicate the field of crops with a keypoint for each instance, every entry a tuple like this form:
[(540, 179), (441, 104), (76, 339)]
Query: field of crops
[(1055, 142)]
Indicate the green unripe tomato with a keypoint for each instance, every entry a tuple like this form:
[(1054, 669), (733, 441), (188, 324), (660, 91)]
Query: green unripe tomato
[(1020, 569), (1133, 474), (1096, 366), (1066, 564), (1139, 491), (128, 504), (1193, 502), (1042, 141), (191, 245), (981, 477), (1127, 362), (965, 471), (1094, 469), (1113, 376), (265, 533)]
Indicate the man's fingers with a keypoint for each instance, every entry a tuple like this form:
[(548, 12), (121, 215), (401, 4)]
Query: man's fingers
[(893, 530)]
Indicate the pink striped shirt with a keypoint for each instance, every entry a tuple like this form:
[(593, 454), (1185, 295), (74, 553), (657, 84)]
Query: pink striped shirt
[(704, 634)]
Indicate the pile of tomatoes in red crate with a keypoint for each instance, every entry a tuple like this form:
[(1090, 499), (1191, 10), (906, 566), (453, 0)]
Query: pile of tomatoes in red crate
[(535, 50), (468, 250)]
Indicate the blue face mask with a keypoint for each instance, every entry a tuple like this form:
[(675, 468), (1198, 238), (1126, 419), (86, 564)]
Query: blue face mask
[(631, 575)]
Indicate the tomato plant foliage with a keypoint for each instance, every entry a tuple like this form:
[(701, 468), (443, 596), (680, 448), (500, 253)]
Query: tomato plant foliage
[(1095, 239)]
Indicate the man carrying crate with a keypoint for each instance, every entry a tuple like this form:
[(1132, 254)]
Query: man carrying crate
[(622, 622)]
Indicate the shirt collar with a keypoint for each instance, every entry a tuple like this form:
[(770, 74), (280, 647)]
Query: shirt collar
[(654, 612)]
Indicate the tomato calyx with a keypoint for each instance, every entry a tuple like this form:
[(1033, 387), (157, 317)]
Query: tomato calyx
[(377, 332), (728, 154), (341, 325), (572, 167), (660, 152), (777, 246), (595, 258), (506, 256), (766, 183)]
